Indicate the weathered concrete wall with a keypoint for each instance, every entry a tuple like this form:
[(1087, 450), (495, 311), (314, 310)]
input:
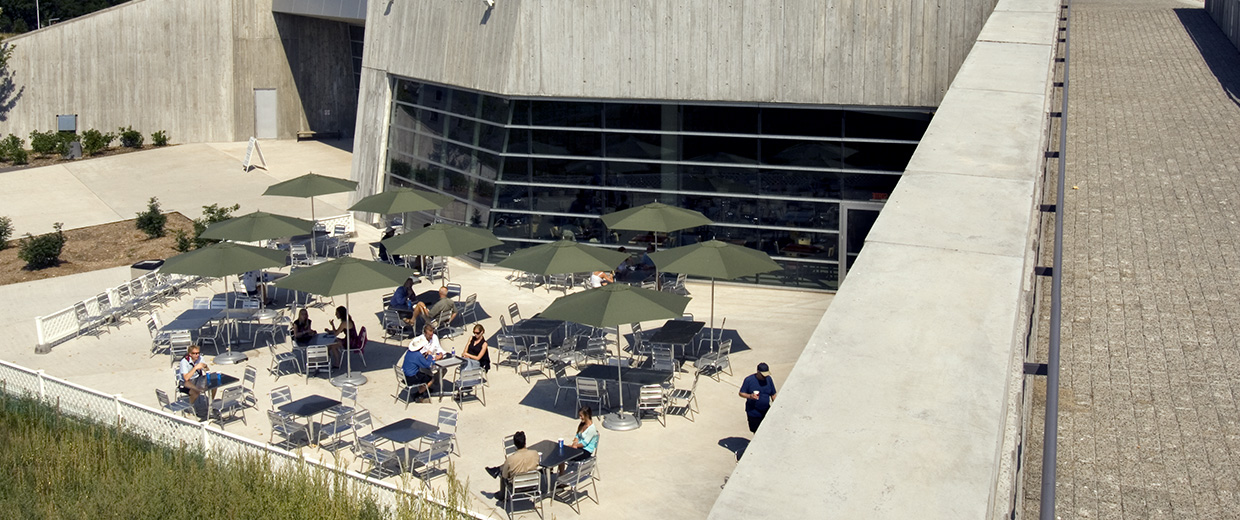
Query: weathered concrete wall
[(188, 68), (1226, 13), (850, 52), (905, 402)]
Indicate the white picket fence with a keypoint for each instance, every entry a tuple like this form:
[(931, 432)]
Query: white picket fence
[(175, 431), (329, 223)]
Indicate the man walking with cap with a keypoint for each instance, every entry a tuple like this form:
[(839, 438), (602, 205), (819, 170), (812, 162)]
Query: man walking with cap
[(758, 389)]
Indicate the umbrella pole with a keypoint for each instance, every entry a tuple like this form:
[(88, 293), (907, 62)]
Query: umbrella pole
[(712, 313), (349, 377), (620, 421), (314, 225), (229, 357)]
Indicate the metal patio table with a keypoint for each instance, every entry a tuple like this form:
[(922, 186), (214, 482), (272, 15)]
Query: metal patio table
[(308, 407), (191, 320), (404, 432), (677, 333), (442, 366), (536, 328)]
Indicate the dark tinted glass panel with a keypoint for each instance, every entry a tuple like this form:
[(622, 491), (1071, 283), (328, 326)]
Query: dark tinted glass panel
[(741, 120), (461, 129), (430, 122), (484, 192), (886, 125), (878, 156), (564, 171), (492, 137), (727, 150), (455, 183), (488, 165), (559, 113), (434, 96), (457, 156), (402, 140), (860, 186), (518, 140), (465, 103), (559, 142), (455, 212), (642, 146), (813, 154), (800, 184), (356, 48), (407, 91), (510, 225), (719, 179), (641, 175), (513, 196), (494, 109), (636, 116), (802, 121), (515, 169), (520, 112)]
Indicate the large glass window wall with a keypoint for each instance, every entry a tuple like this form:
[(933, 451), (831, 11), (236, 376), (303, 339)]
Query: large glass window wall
[(771, 177)]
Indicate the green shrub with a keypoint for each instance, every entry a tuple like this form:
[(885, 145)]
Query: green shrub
[(13, 148), (44, 143), (63, 139), (94, 141), (152, 221), (159, 138), (44, 250), (183, 242), (6, 231), (210, 215), (130, 138)]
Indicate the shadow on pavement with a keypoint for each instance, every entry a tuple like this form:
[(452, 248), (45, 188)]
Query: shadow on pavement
[(1220, 54), (736, 445)]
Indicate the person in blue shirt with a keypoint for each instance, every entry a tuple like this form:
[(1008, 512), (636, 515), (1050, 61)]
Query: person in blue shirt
[(419, 369), (758, 389), (403, 298)]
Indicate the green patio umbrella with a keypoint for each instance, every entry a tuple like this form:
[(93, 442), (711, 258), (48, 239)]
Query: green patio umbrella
[(343, 276), (257, 226), (401, 200), (564, 256), (309, 186), (655, 217), (441, 240), (222, 260), (717, 260), (611, 306)]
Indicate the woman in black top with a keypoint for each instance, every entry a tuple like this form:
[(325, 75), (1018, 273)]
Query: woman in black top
[(302, 331), (476, 354)]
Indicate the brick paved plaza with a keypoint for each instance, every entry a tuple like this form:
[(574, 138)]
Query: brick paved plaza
[(1151, 360)]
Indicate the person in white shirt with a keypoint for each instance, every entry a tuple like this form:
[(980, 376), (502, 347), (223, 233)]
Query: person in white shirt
[(255, 286), (432, 342), (601, 278), (190, 367)]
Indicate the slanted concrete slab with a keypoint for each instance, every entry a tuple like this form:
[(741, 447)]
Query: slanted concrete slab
[(1030, 6), (38, 197), (979, 214), (985, 134), (1010, 68), (891, 421), (1018, 27)]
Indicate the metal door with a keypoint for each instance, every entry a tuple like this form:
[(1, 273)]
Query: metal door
[(856, 219), (265, 113)]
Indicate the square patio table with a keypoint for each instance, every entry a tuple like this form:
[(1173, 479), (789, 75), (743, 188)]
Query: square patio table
[(442, 366), (191, 320), (404, 432), (634, 376), (536, 328), (677, 333), (552, 456), (308, 407)]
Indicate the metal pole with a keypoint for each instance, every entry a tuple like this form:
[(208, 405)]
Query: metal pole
[(38, 21), (1051, 433)]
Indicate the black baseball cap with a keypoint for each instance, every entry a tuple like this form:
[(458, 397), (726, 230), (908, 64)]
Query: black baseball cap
[(763, 369)]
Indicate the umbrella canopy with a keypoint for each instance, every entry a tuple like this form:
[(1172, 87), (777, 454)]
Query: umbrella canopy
[(441, 240), (717, 260), (656, 217), (345, 275), (401, 200), (257, 226), (564, 256), (714, 259), (614, 304), (224, 259), (310, 185)]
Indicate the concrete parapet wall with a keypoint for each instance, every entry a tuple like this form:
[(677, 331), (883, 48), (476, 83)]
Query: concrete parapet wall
[(1226, 13), (188, 68), (905, 403)]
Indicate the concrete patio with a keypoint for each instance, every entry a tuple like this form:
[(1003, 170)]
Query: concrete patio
[(675, 471)]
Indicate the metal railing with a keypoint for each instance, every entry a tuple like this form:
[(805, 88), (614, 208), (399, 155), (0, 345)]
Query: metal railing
[(175, 431)]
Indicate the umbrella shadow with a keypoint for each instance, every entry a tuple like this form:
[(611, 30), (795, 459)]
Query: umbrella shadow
[(542, 397), (379, 355), (736, 445)]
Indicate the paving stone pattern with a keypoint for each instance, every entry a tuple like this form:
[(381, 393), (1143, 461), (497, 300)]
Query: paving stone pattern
[(1151, 357)]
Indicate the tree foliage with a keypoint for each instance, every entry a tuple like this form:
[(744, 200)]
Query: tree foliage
[(18, 16)]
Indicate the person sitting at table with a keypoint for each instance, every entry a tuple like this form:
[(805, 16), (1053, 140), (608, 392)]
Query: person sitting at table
[(587, 434), (431, 341), (521, 461), (403, 298), (419, 369), (601, 278), (476, 353), (255, 286), (647, 263), (436, 310), (302, 331), (383, 254), (188, 370), (346, 326)]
